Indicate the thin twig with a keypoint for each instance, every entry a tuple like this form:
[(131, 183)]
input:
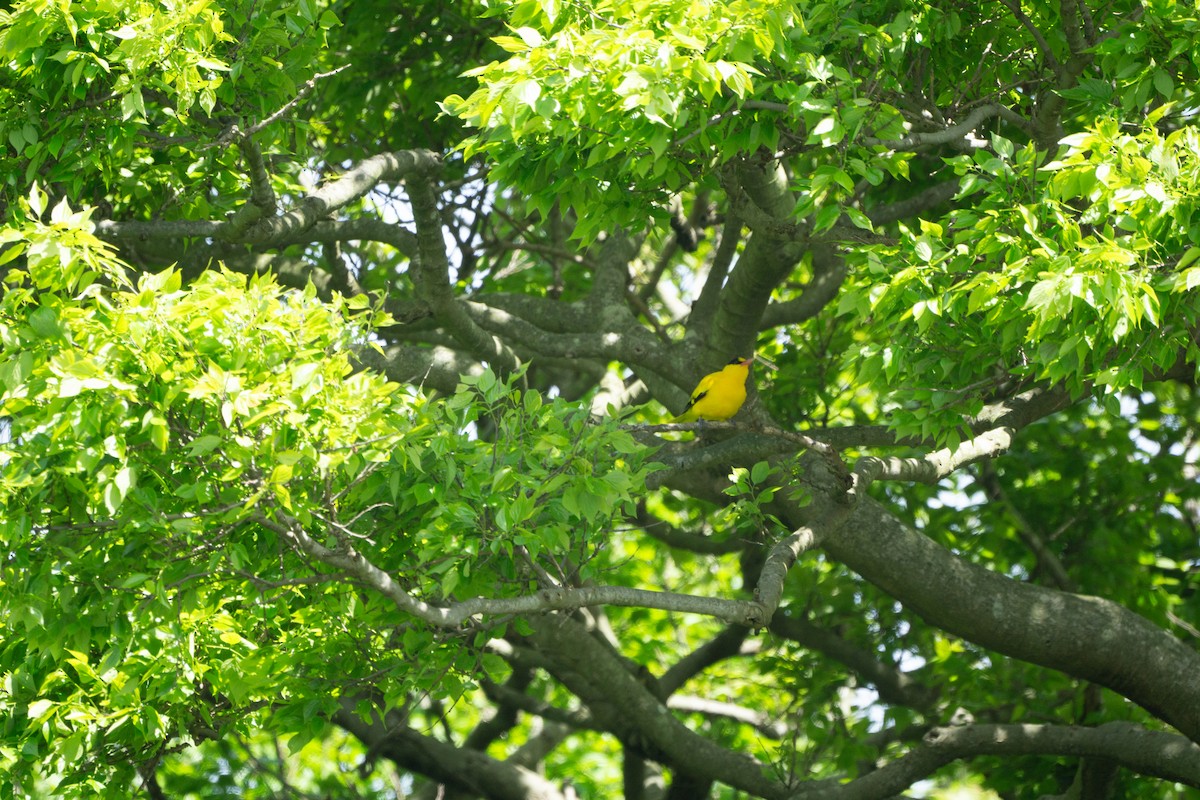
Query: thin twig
[(308, 86)]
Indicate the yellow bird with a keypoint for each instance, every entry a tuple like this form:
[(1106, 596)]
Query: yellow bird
[(719, 395)]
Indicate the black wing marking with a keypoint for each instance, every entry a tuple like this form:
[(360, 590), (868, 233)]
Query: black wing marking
[(695, 400)]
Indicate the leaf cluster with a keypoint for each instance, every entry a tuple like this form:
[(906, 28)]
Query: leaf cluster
[(1071, 284), (98, 92), (154, 432)]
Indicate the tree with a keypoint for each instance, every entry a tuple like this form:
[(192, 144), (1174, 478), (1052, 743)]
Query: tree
[(337, 341)]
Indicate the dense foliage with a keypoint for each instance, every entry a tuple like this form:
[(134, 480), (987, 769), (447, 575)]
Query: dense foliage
[(334, 338)]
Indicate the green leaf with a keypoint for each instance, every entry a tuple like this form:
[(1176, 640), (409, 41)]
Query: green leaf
[(512, 44), (204, 444), (134, 580), (528, 92), (11, 252), (1043, 294), (132, 105), (37, 198), (1187, 280), (39, 710), (530, 36), (859, 219), (1164, 84), (304, 374), (826, 218), (44, 322), (168, 280)]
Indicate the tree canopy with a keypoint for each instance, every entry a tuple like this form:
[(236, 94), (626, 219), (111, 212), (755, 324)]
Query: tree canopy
[(338, 348)]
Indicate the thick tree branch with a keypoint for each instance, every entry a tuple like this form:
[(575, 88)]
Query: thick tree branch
[(434, 367), (262, 194), (611, 334), (194, 246), (1088, 637), (306, 213), (780, 559), (636, 716), (934, 466), (995, 427), (464, 769), (758, 441), (953, 133), (1162, 755), (610, 282), (765, 261), (746, 448), (361, 179), (431, 277), (1069, 12), (1047, 122)]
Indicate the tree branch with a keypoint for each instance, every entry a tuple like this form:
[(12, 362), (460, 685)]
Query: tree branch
[(726, 644), (780, 559), (717, 708), (511, 698), (672, 536), (934, 466), (467, 770), (829, 273), (978, 115), (989, 481), (505, 718), (1043, 45), (1088, 637), (707, 303), (357, 566), (540, 744), (924, 200), (765, 262), (261, 193), (1163, 755), (303, 92), (306, 213), (894, 686), (627, 709), (1072, 27), (431, 277)]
